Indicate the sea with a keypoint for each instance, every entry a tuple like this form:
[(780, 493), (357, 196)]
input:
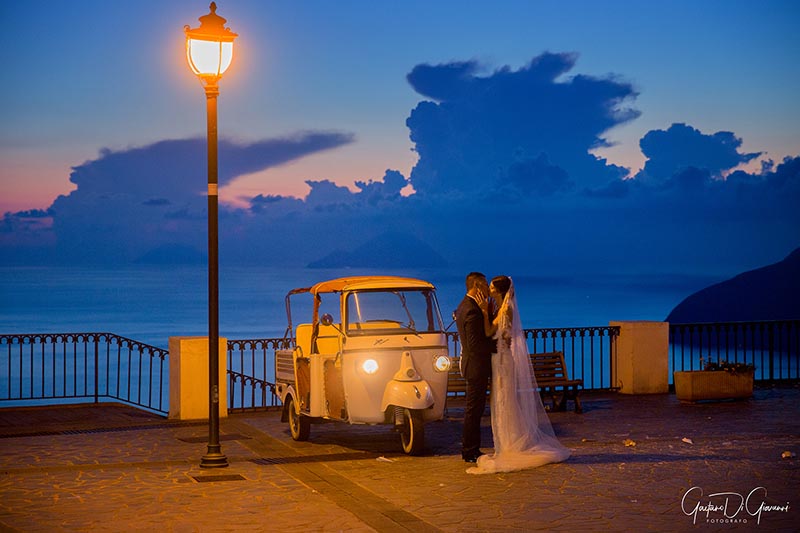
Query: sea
[(149, 304)]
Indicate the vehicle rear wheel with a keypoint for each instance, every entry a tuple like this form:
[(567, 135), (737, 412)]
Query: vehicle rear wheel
[(299, 425), (412, 432)]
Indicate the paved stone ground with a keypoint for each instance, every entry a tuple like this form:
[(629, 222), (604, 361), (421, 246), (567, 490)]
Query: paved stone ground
[(114, 468)]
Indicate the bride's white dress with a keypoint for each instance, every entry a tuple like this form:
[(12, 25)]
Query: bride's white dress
[(522, 434)]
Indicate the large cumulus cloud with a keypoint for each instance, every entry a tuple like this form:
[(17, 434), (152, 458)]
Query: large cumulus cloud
[(532, 128), (680, 146)]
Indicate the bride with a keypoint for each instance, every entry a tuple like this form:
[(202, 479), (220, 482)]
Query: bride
[(523, 436)]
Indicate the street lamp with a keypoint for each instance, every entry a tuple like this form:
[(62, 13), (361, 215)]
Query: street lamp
[(209, 49)]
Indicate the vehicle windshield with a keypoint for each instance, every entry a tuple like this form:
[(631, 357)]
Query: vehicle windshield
[(392, 312)]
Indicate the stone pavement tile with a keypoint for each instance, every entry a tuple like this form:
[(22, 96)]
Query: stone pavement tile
[(356, 478), (162, 444), (143, 480), (78, 416), (158, 498), (603, 481)]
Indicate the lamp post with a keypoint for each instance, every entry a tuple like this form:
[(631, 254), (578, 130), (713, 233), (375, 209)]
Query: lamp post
[(209, 49)]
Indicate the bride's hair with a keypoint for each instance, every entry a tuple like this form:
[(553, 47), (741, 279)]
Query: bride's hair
[(502, 284)]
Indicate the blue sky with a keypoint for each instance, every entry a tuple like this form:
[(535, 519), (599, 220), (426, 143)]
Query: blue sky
[(85, 75), (394, 121)]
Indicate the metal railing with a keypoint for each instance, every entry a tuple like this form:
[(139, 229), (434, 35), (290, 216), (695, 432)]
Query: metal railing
[(773, 347), (251, 373), (65, 367), (588, 351)]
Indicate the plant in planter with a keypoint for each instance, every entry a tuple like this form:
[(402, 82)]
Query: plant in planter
[(720, 380), (733, 368)]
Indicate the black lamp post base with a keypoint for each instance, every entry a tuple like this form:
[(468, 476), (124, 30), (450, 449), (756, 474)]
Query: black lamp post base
[(214, 460)]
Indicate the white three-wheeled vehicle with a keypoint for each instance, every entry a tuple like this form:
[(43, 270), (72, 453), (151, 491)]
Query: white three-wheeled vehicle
[(373, 352)]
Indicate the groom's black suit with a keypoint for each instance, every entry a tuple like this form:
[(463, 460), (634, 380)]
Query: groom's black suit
[(476, 367)]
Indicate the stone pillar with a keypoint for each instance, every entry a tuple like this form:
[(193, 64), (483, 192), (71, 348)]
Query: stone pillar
[(641, 361), (188, 378)]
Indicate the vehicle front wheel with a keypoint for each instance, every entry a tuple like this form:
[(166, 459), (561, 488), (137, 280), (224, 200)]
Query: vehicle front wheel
[(299, 425), (412, 432)]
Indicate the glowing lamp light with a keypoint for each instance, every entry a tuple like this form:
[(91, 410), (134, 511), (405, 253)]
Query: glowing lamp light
[(209, 58), (442, 363), (370, 366), (209, 47)]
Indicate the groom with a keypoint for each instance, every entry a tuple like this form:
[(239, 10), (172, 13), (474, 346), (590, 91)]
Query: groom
[(476, 362)]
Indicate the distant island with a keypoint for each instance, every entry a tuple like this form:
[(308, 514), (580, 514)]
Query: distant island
[(768, 293), (388, 250)]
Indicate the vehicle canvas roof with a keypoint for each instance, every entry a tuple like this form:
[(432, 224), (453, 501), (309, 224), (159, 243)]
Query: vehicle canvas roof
[(369, 282)]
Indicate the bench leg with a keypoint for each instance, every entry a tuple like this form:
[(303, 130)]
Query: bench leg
[(578, 407), (547, 395), (562, 403)]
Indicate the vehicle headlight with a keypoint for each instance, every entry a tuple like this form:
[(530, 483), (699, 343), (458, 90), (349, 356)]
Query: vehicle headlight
[(370, 366), (442, 363)]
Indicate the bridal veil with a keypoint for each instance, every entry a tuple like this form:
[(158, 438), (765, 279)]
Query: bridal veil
[(522, 433)]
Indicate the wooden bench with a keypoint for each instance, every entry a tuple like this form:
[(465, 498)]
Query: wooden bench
[(551, 378), (456, 384)]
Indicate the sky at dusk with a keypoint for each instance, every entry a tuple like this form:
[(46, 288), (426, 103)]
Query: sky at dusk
[(364, 109)]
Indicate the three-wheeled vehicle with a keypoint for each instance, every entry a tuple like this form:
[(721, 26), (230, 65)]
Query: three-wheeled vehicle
[(373, 352)]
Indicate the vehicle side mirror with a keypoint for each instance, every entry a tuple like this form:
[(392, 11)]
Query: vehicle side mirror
[(453, 322), (327, 320)]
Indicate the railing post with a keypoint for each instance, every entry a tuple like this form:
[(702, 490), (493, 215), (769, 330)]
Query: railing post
[(612, 355), (96, 369), (771, 352)]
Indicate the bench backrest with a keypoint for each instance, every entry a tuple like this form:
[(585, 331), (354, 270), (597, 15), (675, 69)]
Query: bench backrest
[(456, 384), (549, 368)]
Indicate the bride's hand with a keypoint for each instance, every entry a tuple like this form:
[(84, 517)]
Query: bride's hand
[(483, 301)]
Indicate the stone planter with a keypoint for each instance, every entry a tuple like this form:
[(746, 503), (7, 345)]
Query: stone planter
[(700, 385)]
